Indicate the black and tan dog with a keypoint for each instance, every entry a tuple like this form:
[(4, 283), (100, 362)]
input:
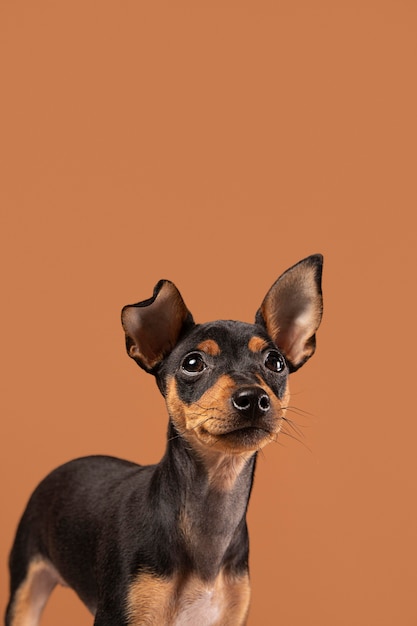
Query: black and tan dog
[(167, 544)]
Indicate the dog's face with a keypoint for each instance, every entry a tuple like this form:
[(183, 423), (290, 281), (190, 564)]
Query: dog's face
[(226, 387), (225, 383)]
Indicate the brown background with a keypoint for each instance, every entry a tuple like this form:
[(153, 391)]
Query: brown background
[(215, 144)]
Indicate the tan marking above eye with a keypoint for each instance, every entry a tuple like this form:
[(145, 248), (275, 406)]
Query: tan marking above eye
[(257, 344), (209, 346)]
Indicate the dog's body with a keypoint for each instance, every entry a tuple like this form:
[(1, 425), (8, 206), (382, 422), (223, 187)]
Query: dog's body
[(167, 544)]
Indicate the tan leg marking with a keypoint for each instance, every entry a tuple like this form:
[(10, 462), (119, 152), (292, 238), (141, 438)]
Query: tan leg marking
[(237, 594), (33, 593), (150, 601), (188, 601)]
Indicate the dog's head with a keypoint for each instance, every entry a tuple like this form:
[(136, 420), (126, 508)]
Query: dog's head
[(226, 382)]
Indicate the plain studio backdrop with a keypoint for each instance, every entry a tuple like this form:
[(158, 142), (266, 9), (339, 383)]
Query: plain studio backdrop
[(216, 144)]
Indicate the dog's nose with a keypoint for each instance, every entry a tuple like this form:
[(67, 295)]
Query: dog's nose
[(251, 402)]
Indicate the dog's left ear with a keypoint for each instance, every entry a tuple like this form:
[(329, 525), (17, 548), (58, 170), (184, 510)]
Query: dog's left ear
[(154, 326), (292, 309)]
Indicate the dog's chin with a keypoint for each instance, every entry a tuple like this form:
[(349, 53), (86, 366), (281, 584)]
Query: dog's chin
[(247, 438), (239, 440)]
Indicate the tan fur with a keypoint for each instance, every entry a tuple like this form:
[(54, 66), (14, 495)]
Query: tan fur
[(188, 601), (209, 346), (223, 470), (285, 399), (204, 422), (150, 601), (257, 344), (33, 593)]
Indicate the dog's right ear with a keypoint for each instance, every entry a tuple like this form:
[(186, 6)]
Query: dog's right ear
[(154, 326), (292, 309)]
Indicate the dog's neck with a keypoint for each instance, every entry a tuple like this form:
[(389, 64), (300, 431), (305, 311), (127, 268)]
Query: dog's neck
[(212, 495)]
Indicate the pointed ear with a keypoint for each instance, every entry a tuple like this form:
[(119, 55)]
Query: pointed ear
[(153, 327), (292, 309)]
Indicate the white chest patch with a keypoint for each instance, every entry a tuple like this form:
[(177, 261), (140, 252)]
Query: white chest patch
[(204, 610)]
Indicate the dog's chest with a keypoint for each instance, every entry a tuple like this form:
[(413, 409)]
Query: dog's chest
[(175, 602), (205, 608)]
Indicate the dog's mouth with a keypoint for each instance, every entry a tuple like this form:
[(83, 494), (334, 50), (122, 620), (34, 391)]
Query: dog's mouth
[(248, 436)]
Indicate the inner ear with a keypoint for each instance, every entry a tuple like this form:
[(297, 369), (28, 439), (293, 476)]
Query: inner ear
[(153, 327), (292, 309)]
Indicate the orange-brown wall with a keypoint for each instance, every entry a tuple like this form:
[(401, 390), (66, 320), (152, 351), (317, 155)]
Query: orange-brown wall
[(215, 144)]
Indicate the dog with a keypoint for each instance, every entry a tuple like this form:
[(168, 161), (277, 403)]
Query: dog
[(167, 544)]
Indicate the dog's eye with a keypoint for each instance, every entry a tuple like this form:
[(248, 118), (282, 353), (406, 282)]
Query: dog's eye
[(274, 361), (193, 364)]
